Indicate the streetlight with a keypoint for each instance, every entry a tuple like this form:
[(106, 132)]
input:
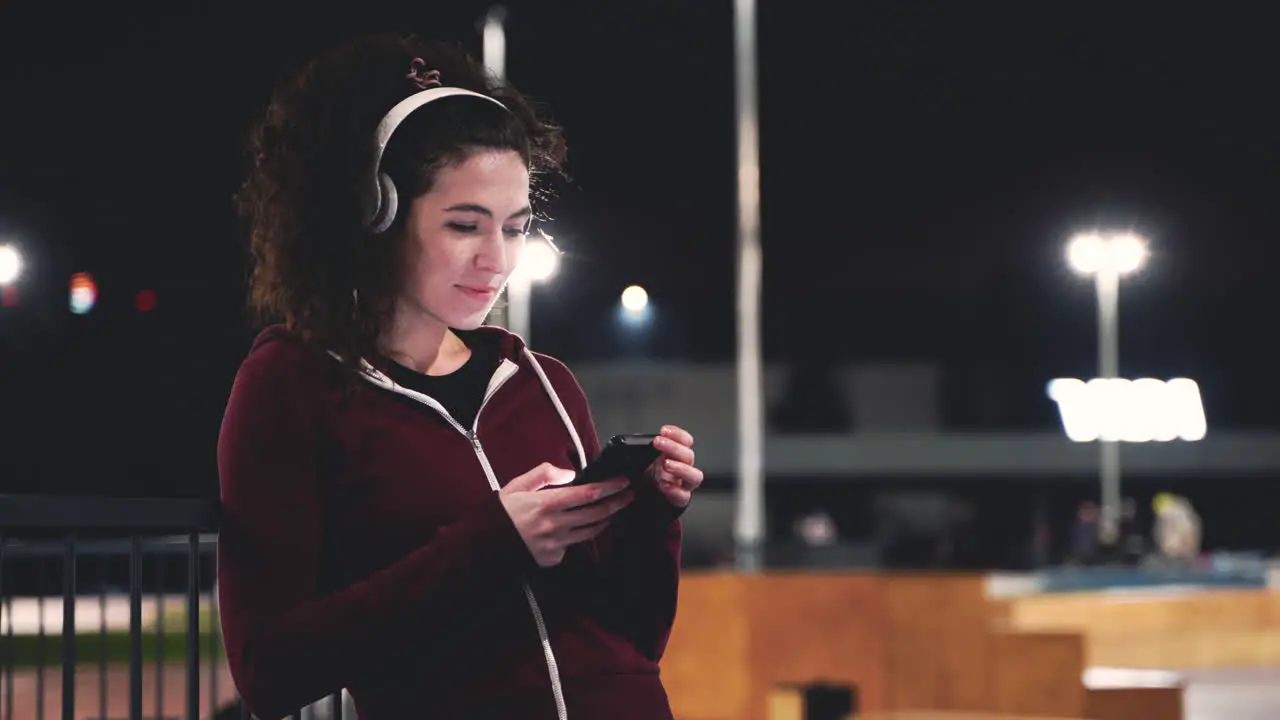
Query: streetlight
[(1108, 257), (634, 310), (635, 299), (10, 264), (634, 314), (539, 262)]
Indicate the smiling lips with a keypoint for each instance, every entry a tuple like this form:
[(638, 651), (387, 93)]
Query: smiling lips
[(482, 293)]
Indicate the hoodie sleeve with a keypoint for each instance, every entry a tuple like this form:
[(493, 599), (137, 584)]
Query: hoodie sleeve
[(639, 554), (289, 644)]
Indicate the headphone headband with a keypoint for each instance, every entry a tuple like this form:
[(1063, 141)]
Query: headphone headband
[(384, 190)]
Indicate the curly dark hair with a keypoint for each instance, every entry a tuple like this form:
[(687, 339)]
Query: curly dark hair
[(310, 187)]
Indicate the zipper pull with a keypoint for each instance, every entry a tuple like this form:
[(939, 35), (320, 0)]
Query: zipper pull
[(475, 441)]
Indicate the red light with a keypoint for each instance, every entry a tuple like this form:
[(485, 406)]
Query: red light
[(9, 296), (145, 300)]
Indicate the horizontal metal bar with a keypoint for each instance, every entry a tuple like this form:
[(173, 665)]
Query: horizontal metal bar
[(48, 512), (169, 545), (1025, 457)]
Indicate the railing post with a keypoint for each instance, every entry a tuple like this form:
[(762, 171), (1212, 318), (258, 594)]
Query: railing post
[(135, 627), (41, 637), (69, 628), (104, 576), (159, 682), (9, 658), (214, 636), (6, 667), (193, 626)]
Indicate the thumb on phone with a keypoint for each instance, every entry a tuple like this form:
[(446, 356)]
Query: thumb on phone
[(543, 475)]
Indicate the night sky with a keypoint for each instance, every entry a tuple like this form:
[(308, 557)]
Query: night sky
[(923, 165)]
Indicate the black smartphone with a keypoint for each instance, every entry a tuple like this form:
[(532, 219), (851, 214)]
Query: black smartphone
[(623, 456)]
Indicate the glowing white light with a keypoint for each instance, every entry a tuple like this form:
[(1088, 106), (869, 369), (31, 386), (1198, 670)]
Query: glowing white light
[(10, 264), (1122, 410), (539, 262), (635, 299), (1122, 254), (494, 43)]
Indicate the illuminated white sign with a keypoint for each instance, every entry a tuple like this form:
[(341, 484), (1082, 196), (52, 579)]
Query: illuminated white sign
[(1118, 409)]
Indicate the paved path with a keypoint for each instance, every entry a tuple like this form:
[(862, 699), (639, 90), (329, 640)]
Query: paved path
[(88, 694), (1247, 694)]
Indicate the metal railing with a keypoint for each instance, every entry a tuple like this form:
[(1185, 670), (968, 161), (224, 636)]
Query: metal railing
[(88, 557)]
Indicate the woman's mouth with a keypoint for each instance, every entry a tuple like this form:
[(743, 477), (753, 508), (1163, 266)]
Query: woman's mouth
[(482, 293)]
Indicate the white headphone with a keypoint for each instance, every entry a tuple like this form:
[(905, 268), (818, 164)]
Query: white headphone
[(386, 200)]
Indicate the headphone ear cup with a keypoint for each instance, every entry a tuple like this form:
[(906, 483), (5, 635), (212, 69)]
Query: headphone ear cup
[(388, 203)]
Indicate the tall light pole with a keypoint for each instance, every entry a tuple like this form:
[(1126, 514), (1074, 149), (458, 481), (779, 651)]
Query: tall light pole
[(749, 521), (493, 36), (1108, 257), (494, 39)]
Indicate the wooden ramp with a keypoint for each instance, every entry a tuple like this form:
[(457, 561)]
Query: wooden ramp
[(905, 642), (1191, 629)]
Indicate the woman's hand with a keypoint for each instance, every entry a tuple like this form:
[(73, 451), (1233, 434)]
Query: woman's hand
[(673, 472), (551, 518)]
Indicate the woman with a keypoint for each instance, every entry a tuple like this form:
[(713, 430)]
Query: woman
[(390, 468)]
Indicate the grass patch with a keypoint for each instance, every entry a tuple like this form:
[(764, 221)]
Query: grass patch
[(176, 617), (25, 650)]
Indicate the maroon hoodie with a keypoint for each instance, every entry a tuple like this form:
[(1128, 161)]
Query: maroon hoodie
[(364, 547)]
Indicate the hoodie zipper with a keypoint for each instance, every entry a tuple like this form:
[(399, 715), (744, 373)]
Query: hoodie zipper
[(500, 377)]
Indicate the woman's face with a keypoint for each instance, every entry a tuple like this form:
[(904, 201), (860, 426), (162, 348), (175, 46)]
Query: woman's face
[(464, 238)]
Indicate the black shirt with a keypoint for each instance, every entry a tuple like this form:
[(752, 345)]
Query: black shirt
[(462, 391)]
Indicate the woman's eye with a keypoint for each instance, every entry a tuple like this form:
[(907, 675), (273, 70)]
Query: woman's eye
[(462, 227), (515, 232)]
